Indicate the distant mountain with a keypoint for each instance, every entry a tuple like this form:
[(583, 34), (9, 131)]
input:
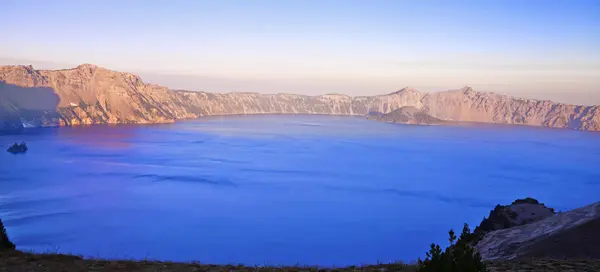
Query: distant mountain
[(89, 94), (406, 115)]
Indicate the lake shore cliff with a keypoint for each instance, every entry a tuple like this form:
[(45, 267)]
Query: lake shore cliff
[(88, 94)]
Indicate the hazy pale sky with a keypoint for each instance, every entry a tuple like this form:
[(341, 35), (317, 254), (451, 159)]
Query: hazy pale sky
[(547, 49)]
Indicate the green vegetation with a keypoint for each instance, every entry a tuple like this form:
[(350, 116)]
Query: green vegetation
[(5, 243), (13, 260), (458, 257)]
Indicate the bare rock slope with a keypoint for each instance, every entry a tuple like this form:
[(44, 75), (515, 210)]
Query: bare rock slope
[(569, 235), (89, 94)]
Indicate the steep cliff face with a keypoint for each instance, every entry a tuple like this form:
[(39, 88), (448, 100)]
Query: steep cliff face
[(89, 94), (469, 106), (84, 95)]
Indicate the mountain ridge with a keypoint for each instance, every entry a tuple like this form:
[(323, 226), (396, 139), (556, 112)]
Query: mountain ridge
[(90, 94)]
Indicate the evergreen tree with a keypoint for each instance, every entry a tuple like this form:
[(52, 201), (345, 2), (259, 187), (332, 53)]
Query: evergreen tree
[(4, 242), (457, 257)]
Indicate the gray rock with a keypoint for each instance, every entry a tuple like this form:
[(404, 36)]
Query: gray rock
[(520, 241), (520, 212)]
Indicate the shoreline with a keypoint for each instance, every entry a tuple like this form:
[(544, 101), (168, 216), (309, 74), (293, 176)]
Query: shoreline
[(449, 123)]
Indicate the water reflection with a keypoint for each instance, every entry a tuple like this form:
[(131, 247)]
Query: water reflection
[(105, 136), (279, 189)]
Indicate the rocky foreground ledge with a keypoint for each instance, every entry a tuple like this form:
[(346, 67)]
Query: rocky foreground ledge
[(88, 94), (535, 231), (523, 236)]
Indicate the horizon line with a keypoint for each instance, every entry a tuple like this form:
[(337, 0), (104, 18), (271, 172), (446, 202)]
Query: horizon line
[(405, 88)]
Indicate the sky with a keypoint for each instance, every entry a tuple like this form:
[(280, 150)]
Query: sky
[(547, 49)]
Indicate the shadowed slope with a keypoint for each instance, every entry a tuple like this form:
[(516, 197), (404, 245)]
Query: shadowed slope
[(571, 234)]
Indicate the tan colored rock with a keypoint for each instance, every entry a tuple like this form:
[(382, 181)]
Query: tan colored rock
[(466, 105), (89, 94)]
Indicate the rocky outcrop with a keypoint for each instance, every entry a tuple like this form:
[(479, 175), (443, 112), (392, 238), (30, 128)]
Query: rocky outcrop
[(518, 213), (89, 94), (572, 234), (406, 115)]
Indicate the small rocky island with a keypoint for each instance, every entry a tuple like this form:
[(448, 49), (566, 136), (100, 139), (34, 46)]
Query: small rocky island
[(406, 115), (17, 148)]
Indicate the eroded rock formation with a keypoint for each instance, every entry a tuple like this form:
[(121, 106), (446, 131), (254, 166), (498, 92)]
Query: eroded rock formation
[(89, 94)]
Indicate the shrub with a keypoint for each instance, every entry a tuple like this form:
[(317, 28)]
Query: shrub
[(4, 242), (457, 257)]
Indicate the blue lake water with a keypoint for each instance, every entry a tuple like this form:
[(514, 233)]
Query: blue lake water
[(279, 189)]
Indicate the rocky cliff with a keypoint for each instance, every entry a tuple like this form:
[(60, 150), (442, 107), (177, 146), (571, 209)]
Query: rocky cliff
[(89, 94), (518, 213)]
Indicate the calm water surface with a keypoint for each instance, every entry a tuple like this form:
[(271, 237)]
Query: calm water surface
[(279, 189)]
